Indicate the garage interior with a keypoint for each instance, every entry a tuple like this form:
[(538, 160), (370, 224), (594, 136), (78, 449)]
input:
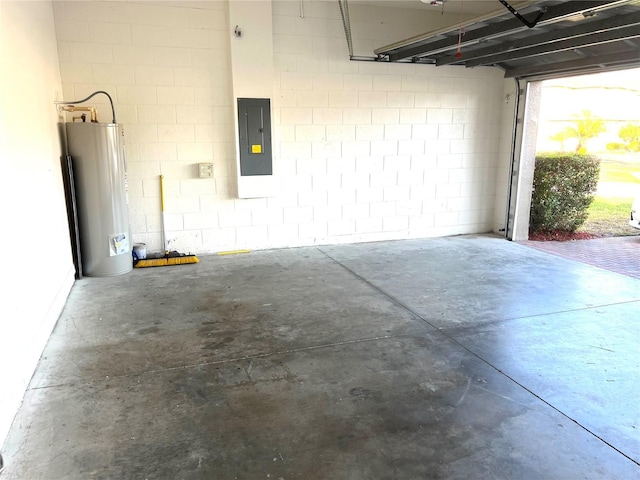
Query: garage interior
[(381, 324)]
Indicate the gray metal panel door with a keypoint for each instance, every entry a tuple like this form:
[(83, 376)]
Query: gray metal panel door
[(254, 124)]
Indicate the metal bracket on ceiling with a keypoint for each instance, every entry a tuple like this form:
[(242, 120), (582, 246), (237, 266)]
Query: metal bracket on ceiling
[(528, 23)]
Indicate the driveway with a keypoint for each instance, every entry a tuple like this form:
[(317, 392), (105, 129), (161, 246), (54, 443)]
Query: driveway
[(618, 189), (616, 254)]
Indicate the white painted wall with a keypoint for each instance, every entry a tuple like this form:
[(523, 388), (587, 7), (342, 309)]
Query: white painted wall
[(251, 49), (168, 69), (374, 151), (37, 268), (363, 151)]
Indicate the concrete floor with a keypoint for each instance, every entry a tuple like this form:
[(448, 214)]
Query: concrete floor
[(463, 357)]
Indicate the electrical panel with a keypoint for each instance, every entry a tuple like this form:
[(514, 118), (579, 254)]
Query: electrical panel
[(254, 133)]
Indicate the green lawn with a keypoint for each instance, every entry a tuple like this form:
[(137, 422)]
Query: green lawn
[(608, 217), (619, 171)]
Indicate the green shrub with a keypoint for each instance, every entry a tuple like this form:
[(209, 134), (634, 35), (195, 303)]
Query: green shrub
[(616, 147), (563, 188)]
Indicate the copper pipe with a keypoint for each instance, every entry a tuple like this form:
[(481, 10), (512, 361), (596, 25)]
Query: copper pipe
[(92, 110)]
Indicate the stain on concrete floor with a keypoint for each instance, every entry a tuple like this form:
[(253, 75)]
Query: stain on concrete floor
[(462, 357)]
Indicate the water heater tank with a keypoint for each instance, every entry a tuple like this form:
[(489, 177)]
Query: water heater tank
[(100, 174)]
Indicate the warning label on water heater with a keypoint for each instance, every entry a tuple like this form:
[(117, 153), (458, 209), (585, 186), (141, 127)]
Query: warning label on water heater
[(119, 244)]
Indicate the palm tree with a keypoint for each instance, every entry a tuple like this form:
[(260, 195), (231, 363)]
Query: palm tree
[(630, 134), (586, 127), (561, 137)]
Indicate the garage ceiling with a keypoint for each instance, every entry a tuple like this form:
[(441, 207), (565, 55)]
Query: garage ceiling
[(536, 40)]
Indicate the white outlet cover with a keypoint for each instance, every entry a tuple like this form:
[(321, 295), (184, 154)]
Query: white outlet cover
[(205, 170)]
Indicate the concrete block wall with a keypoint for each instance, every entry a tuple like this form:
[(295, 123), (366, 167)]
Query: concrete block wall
[(362, 150), (375, 150), (166, 65)]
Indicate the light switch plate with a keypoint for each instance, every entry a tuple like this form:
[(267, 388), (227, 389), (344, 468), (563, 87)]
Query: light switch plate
[(205, 170)]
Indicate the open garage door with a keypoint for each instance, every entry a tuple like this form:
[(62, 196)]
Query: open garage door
[(531, 41), (537, 39)]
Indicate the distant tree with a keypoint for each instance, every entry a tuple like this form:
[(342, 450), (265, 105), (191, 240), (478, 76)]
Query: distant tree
[(586, 127), (561, 137), (630, 135)]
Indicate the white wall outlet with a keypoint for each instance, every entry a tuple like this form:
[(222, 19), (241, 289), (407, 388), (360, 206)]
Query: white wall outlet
[(205, 170)]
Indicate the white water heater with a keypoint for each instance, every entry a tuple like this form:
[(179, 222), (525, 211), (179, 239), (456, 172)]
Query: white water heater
[(100, 175)]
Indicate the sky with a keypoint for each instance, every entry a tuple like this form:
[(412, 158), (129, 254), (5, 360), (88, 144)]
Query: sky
[(612, 96)]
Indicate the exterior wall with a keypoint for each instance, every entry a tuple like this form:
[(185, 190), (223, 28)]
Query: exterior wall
[(526, 161), (362, 150), (37, 266)]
